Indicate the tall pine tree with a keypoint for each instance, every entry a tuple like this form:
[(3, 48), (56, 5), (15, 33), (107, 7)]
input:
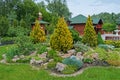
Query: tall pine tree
[(37, 34), (61, 39), (90, 37)]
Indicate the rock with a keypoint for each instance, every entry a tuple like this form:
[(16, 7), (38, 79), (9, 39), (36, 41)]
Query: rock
[(60, 66), (32, 61), (3, 61), (79, 56), (15, 59), (38, 62), (95, 56), (45, 65), (43, 55), (33, 53), (4, 56), (51, 60), (65, 55), (72, 52), (22, 56)]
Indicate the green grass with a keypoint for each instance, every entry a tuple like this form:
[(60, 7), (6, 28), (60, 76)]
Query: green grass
[(3, 49), (25, 72)]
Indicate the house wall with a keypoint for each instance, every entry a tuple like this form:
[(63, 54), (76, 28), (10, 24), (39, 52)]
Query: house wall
[(119, 28), (79, 28)]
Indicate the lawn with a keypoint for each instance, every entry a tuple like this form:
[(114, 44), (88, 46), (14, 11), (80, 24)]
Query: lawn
[(26, 72)]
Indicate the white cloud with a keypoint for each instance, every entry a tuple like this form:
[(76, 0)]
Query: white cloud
[(90, 7)]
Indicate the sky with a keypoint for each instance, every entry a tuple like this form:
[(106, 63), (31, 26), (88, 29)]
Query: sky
[(90, 7)]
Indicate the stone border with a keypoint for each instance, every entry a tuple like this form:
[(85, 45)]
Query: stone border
[(74, 74), (69, 75)]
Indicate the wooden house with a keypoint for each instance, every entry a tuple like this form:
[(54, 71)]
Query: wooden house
[(78, 23)]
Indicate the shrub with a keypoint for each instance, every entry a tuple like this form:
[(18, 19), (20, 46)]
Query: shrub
[(52, 53), (51, 65), (87, 60), (113, 59), (37, 34), (80, 47), (89, 36), (99, 38), (61, 39), (73, 61), (42, 49), (114, 43), (25, 45), (7, 40), (75, 35), (10, 53), (106, 47), (69, 69)]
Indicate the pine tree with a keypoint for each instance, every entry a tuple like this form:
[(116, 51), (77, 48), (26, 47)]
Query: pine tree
[(61, 39), (89, 37), (100, 40), (37, 34)]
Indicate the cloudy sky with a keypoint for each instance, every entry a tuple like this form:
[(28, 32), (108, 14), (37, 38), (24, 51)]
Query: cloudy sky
[(90, 7)]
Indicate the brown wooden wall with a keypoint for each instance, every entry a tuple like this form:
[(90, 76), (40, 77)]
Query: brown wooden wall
[(79, 28)]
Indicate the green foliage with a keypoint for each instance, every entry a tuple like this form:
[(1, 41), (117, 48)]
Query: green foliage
[(114, 59), (73, 61), (11, 53), (41, 49), (23, 23), (87, 60), (102, 54), (37, 34), (89, 36), (4, 26), (61, 39), (114, 43), (75, 35), (52, 53), (25, 45), (7, 40), (69, 69), (80, 47), (51, 65), (17, 31), (99, 38), (58, 8), (108, 27), (106, 47)]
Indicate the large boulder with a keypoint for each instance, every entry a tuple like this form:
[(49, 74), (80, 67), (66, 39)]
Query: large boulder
[(60, 66)]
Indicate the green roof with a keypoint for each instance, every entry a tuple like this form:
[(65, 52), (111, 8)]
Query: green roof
[(43, 22), (82, 19), (78, 19)]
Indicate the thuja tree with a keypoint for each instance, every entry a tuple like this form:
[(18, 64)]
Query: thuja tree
[(89, 37), (99, 38), (37, 34), (61, 39)]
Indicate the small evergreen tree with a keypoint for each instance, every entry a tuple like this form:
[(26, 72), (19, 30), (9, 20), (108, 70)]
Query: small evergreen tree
[(61, 39), (37, 34), (100, 40), (89, 37)]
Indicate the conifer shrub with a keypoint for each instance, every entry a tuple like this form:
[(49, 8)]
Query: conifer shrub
[(61, 39), (75, 35), (100, 40), (73, 61), (89, 37), (37, 34)]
